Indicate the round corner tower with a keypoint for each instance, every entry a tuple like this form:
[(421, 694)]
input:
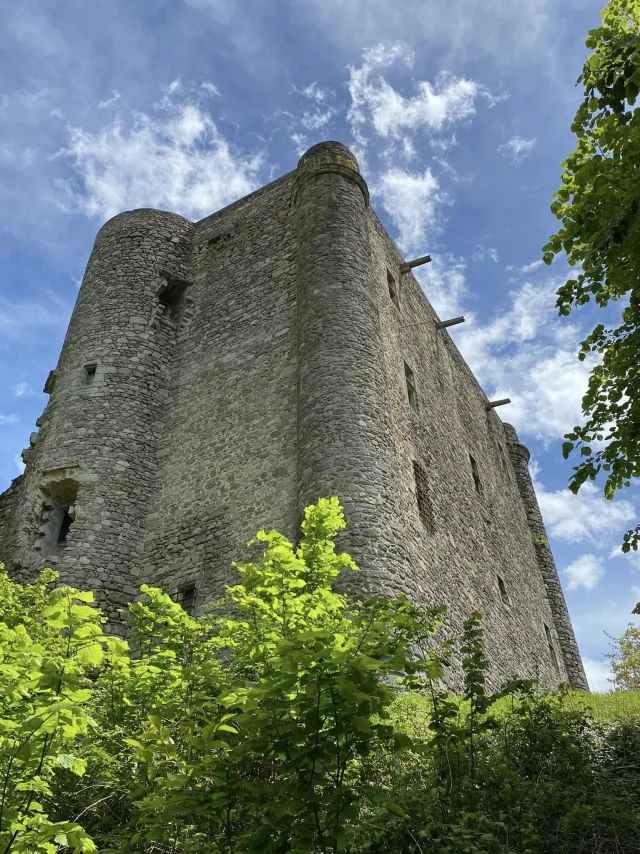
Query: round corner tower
[(89, 471), (344, 431), (520, 455)]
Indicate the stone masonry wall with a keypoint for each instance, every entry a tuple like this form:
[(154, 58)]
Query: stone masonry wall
[(218, 377)]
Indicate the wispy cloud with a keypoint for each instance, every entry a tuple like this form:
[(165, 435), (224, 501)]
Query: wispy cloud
[(23, 390), (174, 158), (526, 353), (115, 97), (585, 517), (314, 92), (374, 101), (413, 201), (517, 148), (585, 571), (18, 319), (485, 253), (8, 419)]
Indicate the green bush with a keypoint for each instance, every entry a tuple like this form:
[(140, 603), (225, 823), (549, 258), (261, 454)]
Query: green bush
[(289, 719)]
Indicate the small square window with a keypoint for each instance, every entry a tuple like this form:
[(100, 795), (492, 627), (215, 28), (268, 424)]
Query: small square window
[(90, 373), (412, 392), (503, 591), (393, 290)]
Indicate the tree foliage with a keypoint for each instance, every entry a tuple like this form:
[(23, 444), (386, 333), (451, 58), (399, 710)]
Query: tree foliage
[(598, 205), (625, 659), (49, 641)]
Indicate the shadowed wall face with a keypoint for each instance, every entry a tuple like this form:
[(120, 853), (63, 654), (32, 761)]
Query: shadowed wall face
[(216, 378)]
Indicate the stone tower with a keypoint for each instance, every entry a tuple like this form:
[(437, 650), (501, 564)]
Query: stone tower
[(218, 376)]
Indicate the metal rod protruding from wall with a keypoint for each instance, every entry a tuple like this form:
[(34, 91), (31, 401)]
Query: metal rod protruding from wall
[(409, 265), (493, 403), (443, 324)]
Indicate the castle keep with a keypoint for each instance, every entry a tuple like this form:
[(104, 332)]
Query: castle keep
[(219, 376)]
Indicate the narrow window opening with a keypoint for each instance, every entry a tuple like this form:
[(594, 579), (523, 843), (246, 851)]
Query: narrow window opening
[(552, 651), (393, 290), (503, 458), (503, 591), (425, 510), (187, 598), (90, 373), (476, 475), (65, 524), (412, 392)]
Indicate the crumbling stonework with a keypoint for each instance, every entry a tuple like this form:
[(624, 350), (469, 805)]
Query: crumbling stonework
[(217, 377)]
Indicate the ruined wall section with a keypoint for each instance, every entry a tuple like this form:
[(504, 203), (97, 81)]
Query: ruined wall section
[(476, 532), (228, 456), (95, 454)]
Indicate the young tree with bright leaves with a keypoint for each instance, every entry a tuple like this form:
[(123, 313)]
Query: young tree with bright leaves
[(625, 659), (598, 205)]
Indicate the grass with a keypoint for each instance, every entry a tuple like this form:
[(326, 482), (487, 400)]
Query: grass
[(411, 711), (609, 706)]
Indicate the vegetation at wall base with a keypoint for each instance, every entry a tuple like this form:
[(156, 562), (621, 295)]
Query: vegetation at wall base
[(598, 205), (291, 719)]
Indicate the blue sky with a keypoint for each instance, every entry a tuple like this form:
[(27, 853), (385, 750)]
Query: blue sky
[(459, 112)]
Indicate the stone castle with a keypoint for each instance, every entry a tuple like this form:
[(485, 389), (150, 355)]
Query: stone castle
[(219, 376)]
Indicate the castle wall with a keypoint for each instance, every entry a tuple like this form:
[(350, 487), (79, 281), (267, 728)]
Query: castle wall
[(218, 377), (228, 462), (475, 536)]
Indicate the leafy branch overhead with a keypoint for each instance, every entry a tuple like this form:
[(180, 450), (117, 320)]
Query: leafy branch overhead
[(598, 205)]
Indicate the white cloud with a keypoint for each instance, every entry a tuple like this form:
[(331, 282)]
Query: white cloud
[(23, 390), (412, 201), (525, 268), (211, 88), (8, 419), (517, 148), (434, 107), (585, 571), (511, 33), (19, 463), (528, 354), (317, 119), (584, 517), (175, 159), (599, 675), (485, 253), (115, 96), (315, 92), (631, 557)]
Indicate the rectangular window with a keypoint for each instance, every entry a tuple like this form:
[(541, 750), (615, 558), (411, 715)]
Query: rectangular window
[(65, 523), (425, 510), (503, 591), (552, 652), (412, 392), (393, 290), (187, 598), (90, 373), (476, 475), (503, 458)]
